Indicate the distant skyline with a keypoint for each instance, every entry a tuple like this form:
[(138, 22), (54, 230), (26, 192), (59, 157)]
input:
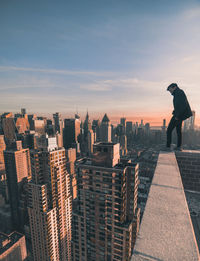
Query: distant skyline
[(105, 56), (114, 119)]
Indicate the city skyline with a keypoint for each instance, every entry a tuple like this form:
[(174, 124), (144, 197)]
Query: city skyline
[(82, 191), (114, 119), (109, 57)]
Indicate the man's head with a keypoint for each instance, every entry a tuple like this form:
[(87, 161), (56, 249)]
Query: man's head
[(172, 87)]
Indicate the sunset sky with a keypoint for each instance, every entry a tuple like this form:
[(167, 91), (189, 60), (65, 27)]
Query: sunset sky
[(109, 56)]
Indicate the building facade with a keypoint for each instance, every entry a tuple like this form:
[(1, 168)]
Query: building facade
[(105, 129), (50, 206), (18, 173), (106, 219), (71, 132)]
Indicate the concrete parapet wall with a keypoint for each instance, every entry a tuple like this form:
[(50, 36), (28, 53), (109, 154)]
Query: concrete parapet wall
[(166, 232), (189, 165)]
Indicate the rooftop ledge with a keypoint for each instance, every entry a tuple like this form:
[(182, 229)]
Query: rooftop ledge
[(166, 231)]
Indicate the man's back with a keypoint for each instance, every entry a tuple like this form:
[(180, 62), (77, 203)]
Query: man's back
[(182, 108)]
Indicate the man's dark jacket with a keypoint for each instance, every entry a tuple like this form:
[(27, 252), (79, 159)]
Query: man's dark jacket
[(182, 109)]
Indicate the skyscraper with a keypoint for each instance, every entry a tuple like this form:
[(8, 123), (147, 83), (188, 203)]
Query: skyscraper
[(123, 145), (3, 180), (22, 124), (129, 128), (58, 123), (39, 125), (163, 132), (123, 123), (18, 172), (71, 158), (105, 129), (164, 125), (23, 111), (106, 220), (2, 148), (50, 205), (96, 130), (87, 137), (90, 141), (71, 132), (189, 123), (129, 133), (9, 128)]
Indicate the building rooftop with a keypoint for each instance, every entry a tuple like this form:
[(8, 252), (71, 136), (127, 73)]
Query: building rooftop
[(6, 241), (107, 144), (120, 165), (166, 232)]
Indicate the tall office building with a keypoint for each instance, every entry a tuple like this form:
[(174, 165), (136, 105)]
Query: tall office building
[(189, 123), (163, 132), (22, 125), (3, 180), (105, 129), (141, 124), (2, 148), (31, 119), (50, 205), (96, 130), (9, 128), (87, 137), (58, 123), (18, 173), (129, 133), (123, 123), (90, 142), (71, 132), (39, 125), (71, 158), (129, 128), (87, 124), (23, 111), (106, 220), (164, 125), (50, 129), (123, 145)]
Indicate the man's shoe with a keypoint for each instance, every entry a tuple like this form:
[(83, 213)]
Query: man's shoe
[(167, 149)]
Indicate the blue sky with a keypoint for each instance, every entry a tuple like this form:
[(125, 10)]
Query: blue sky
[(104, 56)]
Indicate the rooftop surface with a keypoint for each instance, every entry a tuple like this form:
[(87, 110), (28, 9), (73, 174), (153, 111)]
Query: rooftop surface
[(166, 231), (9, 240)]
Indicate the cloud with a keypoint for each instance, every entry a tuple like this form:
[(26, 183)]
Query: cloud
[(50, 71), (135, 85), (98, 86), (192, 13)]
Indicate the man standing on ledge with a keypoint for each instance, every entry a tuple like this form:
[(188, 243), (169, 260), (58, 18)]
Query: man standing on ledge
[(181, 112)]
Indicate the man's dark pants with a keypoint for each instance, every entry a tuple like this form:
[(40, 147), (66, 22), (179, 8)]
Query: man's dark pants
[(178, 124)]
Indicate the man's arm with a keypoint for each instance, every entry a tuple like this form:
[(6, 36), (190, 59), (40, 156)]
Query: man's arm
[(180, 104)]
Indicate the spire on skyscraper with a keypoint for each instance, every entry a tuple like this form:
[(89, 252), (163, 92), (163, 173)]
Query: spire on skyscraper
[(105, 118)]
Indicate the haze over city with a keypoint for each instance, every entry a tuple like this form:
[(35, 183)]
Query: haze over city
[(99, 130), (104, 56)]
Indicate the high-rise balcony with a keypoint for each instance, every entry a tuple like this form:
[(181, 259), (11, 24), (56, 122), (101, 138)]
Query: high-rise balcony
[(166, 231)]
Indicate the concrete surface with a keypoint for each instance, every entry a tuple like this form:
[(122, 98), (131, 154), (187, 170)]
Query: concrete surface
[(166, 232)]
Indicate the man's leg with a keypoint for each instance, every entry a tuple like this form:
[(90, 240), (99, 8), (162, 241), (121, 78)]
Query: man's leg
[(179, 133), (170, 128)]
